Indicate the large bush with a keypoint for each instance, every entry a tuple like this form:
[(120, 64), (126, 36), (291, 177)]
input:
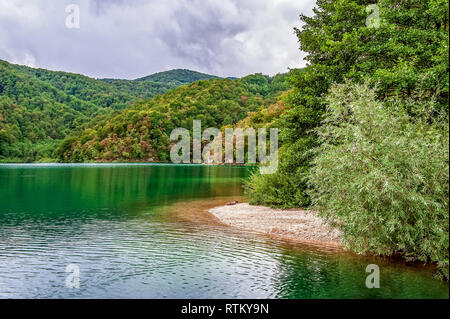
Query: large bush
[(383, 176)]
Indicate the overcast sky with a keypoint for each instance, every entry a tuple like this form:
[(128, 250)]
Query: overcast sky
[(133, 38)]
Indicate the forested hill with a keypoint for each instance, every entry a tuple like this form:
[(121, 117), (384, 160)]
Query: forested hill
[(38, 107), (34, 114), (114, 93), (157, 83), (177, 77), (130, 119), (141, 132)]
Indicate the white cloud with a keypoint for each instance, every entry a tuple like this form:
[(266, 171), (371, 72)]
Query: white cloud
[(129, 39)]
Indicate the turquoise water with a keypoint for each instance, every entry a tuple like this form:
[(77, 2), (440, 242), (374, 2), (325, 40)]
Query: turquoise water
[(117, 224)]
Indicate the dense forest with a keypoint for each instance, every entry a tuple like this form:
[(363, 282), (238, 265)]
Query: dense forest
[(158, 83), (51, 116), (39, 108), (141, 132)]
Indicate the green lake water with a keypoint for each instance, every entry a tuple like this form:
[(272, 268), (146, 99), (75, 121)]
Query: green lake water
[(116, 223)]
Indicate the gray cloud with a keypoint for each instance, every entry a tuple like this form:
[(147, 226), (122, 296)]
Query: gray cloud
[(133, 38)]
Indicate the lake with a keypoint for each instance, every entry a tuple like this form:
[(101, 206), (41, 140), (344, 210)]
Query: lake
[(132, 231)]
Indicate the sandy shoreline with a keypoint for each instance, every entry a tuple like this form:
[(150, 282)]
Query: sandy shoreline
[(294, 225)]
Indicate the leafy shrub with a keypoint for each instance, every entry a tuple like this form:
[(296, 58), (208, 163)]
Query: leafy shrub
[(383, 177), (275, 190)]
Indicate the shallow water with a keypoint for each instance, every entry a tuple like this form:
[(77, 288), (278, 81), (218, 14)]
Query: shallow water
[(125, 227)]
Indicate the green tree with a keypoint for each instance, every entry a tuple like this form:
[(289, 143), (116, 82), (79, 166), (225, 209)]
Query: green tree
[(406, 58)]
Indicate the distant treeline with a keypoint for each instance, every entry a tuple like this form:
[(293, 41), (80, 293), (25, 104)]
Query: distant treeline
[(39, 108)]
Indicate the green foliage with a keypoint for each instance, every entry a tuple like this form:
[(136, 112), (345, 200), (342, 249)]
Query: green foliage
[(382, 176), (264, 85), (405, 58), (89, 90), (158, 83), (266, 116), (34, 113), (177, 77), (39, 108), (274, 190), (141, 133), (378, 166)]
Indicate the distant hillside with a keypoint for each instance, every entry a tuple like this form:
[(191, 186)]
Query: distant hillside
[(141, 133), (177, 76), (158, 83), (34, 114), (114, 93), (38, 107)]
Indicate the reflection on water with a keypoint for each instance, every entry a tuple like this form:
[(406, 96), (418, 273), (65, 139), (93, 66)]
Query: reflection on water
[(119, 224)]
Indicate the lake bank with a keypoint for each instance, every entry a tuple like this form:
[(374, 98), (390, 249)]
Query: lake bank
[(300, 226), (293, 226)]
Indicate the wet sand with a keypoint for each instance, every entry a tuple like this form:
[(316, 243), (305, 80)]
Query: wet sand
[(295, 226)]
